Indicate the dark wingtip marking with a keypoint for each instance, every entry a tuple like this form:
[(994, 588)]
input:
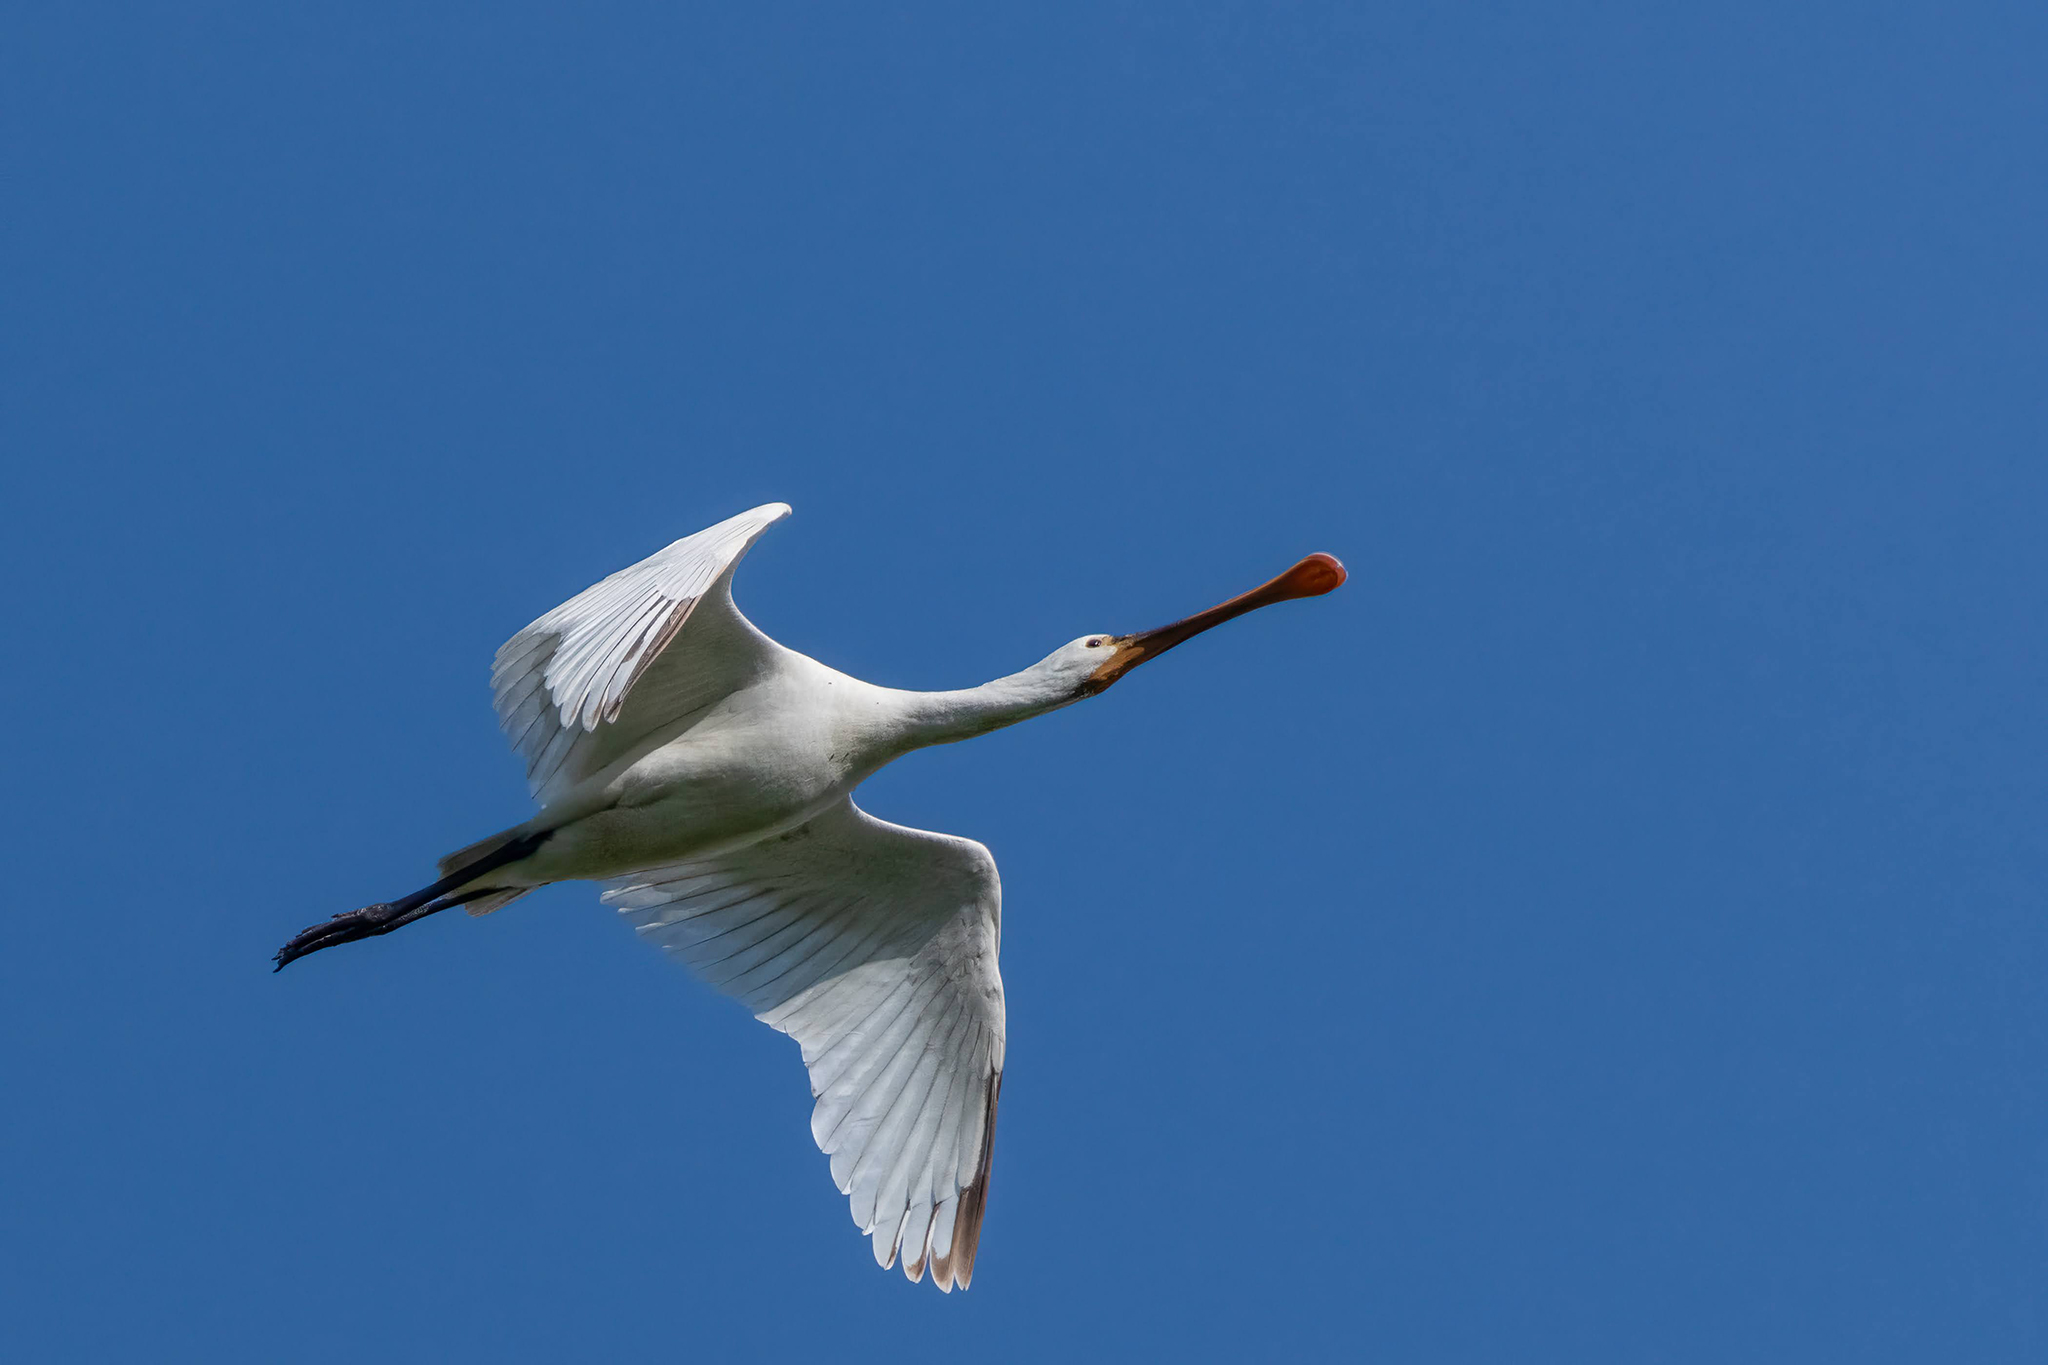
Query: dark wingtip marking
[(974, 1199)]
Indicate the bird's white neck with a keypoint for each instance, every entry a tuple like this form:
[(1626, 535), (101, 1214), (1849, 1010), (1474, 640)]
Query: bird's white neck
[(929, 718)]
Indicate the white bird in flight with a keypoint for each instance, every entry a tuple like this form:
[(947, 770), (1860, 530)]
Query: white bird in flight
[(705, 774)]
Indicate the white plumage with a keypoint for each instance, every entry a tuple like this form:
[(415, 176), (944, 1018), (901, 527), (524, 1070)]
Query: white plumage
[(704, 774)]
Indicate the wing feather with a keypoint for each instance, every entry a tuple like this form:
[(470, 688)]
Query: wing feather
[(822, 930), (876, 1064), (913, 1128)]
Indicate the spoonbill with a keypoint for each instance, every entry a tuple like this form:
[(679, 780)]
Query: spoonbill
[(704, 774)]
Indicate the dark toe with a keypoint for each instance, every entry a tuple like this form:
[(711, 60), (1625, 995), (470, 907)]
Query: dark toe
[(346, 927)]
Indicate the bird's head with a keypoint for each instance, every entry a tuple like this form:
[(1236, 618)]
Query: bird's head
[(1091, 663)]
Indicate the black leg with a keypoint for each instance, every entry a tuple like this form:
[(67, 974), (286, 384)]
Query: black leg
[(373, 920)]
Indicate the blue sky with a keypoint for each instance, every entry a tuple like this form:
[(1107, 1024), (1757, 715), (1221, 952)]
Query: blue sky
[(1610, 928)]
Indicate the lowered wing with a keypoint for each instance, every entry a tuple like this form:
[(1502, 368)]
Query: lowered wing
[(874, 946)]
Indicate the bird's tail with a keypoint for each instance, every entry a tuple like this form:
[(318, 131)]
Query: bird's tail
[(476, 853)]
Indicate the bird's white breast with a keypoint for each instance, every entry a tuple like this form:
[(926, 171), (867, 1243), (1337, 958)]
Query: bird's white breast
[(760, 762)]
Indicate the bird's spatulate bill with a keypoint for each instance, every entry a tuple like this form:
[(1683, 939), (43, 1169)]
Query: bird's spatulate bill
[(1312, 577)]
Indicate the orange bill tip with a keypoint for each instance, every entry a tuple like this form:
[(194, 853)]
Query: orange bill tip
[(1314, 576)]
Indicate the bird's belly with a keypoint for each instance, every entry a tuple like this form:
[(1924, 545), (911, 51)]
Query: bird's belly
[(694, 798)]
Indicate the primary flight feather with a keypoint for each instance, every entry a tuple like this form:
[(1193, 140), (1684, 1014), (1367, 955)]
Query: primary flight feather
[(704, 774)]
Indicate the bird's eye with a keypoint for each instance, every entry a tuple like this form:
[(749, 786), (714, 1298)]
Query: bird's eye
[(1095, 642)]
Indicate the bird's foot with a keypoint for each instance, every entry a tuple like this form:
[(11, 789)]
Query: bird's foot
[(382, 918), (347, 927)]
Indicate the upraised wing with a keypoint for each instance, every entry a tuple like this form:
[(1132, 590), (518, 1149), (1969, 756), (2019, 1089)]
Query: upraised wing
[(874, 946), (582, 685)]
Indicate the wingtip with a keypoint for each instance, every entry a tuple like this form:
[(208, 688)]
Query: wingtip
[(956, 1267)]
